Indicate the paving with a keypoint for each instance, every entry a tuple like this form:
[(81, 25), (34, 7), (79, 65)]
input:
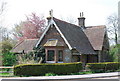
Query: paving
[(69, 77)]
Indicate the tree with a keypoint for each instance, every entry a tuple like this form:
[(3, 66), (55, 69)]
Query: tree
[(9, 59), (2, 6), (113, 27), (31, 28), (115, 56), (2, 9)]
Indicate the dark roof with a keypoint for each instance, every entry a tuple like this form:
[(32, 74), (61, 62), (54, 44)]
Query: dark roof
[(27, 45), (75, 36), (95, 35)]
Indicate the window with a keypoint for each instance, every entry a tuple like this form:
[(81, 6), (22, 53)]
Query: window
[(50, 55), (60, 55)]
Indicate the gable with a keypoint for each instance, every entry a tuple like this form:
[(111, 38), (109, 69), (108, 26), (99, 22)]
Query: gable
[(52, 33), (96, 36)]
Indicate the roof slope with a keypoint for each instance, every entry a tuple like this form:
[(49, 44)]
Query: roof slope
[(26, 45), (75, 36), (95, 35)]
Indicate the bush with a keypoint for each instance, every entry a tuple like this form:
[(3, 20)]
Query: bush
[(103, 67), (50, 74), (115, 53), (42, 69), (9, 59)]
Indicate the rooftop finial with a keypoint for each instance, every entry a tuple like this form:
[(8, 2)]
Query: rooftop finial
[(51, 13)]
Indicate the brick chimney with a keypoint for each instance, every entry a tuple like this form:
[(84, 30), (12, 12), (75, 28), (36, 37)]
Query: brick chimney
[(81, 21)]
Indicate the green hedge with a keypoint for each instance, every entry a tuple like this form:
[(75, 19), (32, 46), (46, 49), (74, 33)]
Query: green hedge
[(105, 66), (42, 69)]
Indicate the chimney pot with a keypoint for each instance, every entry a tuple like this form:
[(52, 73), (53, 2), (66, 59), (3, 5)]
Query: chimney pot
[(81, 21)]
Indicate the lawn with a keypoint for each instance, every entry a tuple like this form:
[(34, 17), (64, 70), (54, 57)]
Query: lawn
[(6, 74)]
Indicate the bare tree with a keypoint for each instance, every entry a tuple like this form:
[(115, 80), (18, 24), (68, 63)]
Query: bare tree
[(2, 7), (113, 27)]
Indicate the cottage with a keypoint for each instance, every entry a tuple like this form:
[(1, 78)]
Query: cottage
[(24, 46), (65, 42)]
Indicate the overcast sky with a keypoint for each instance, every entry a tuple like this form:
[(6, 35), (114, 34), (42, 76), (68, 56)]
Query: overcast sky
[(95, 11)]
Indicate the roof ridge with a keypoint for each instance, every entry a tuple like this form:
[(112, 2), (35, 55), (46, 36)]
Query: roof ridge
[(66, 22), (96, 26)]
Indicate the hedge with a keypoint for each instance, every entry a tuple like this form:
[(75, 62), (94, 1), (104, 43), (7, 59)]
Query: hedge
[(105, 66), (42, 69)]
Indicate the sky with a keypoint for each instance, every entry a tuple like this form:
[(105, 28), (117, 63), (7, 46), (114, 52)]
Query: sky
[(95, 11)]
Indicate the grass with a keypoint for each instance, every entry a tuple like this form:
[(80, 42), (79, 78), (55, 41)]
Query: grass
[(6, 74)]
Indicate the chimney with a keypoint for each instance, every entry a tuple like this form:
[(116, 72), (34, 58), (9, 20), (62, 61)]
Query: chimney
[(81, 21)]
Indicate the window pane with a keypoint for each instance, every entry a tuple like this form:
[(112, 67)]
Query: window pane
[(60, 55), (50, 55)]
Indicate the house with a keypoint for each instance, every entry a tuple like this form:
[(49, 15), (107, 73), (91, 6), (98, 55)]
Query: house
[(65, 42)]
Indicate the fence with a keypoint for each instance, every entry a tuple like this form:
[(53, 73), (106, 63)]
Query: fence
[(6, 71)]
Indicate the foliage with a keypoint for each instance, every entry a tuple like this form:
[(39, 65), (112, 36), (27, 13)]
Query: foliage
[(103, 67), (31, 28), (6, 74), (42, 69), (34, 57), (9, 59), (40, 52), (28, 58), (6, 46), (114, 53), (50, 74)]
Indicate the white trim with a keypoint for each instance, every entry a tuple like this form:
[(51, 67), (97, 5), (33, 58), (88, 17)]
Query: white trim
[(44, 33), (52, 22), (63, 36)]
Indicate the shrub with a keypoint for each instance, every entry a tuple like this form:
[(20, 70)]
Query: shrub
[(9, 59), (114, 53), (42, 69), (50, 74), (103, 67)]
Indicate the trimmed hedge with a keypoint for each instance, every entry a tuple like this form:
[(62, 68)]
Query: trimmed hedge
[(42, 69), (105, 66)]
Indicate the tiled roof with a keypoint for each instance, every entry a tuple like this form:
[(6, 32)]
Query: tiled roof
[(95, 35), (75, 36), (27, 45)]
